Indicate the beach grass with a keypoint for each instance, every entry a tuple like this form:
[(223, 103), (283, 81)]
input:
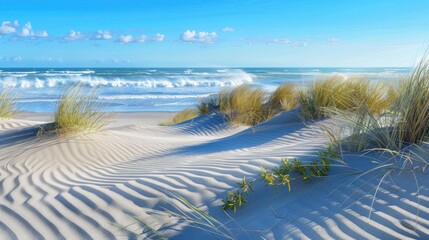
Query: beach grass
[(242, 105), (394, 122), (7, 103), (184, 115), (282, 99), (413, 106), (352, 94), (208, 105), (78, 111), (320, 95)]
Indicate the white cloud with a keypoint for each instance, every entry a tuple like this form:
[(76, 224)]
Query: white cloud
[(141, 39), (8, 27), (103, 35), (300, 44), (116, 60), (27, 31), (48, 59), (113, 60), (228, 29), (125, 39), (158, 37), (11, 59), (73, 35), (200, 37), (333, 41), (281, 40), (270, 41)]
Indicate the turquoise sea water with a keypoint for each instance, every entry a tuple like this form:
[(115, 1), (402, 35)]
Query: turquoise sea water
[(159, 89)]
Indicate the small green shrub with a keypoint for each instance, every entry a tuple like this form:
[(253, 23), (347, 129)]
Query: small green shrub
[(184, 115), (281, 176), (302, 170), (7, 103), (233, 200)]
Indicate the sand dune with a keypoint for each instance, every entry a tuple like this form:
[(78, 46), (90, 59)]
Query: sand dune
[(84, 187)]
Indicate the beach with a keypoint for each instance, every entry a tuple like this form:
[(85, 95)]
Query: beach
[(235, 120), (105, 185)]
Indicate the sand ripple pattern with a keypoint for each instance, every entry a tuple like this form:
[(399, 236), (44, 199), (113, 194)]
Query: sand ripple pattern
[(83, 187)]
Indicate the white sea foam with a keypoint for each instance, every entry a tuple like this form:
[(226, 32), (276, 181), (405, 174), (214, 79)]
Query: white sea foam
[(161, 89), (152, 96), (175, 81)]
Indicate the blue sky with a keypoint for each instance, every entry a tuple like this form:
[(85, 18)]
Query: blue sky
[(223, 33)]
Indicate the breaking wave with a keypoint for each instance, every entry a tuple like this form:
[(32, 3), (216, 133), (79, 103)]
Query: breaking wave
[(59, 79)]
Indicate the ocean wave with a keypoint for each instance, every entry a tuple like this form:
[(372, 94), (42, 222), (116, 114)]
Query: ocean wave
[(151, 96), (72, 72), (168, 81)]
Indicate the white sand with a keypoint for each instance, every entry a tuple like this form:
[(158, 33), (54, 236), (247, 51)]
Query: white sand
[(84, 187)]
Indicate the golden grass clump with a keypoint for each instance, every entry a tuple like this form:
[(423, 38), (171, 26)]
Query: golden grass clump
[(375, 96), (282, 99), (184, 115), (336, 92), (208, 105), (242, 105), (7, 103), (413, 105), (78, 111), (323, 94), (402, 122)]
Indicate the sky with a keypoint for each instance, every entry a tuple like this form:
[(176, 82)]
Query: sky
[(222, 33)]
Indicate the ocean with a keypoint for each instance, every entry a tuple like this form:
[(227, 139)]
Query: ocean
[(159, 89)]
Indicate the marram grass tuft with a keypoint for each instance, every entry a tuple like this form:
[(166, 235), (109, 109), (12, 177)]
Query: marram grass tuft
[(7, 103), (78, 111), (184, 115)]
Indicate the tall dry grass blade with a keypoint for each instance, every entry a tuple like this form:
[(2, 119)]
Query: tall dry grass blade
[(337, 92), (282, 99), (413, 105), (242, 105), (184, 115), (7, 103), (78, 111), (208, 105)]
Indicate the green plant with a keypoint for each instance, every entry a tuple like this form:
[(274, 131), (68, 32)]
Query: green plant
[(7, 103), (268, 177), (246, 186), (281, 175), (236, 199), (302, 170), (184, 115), (78, 111), (233, 200)]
